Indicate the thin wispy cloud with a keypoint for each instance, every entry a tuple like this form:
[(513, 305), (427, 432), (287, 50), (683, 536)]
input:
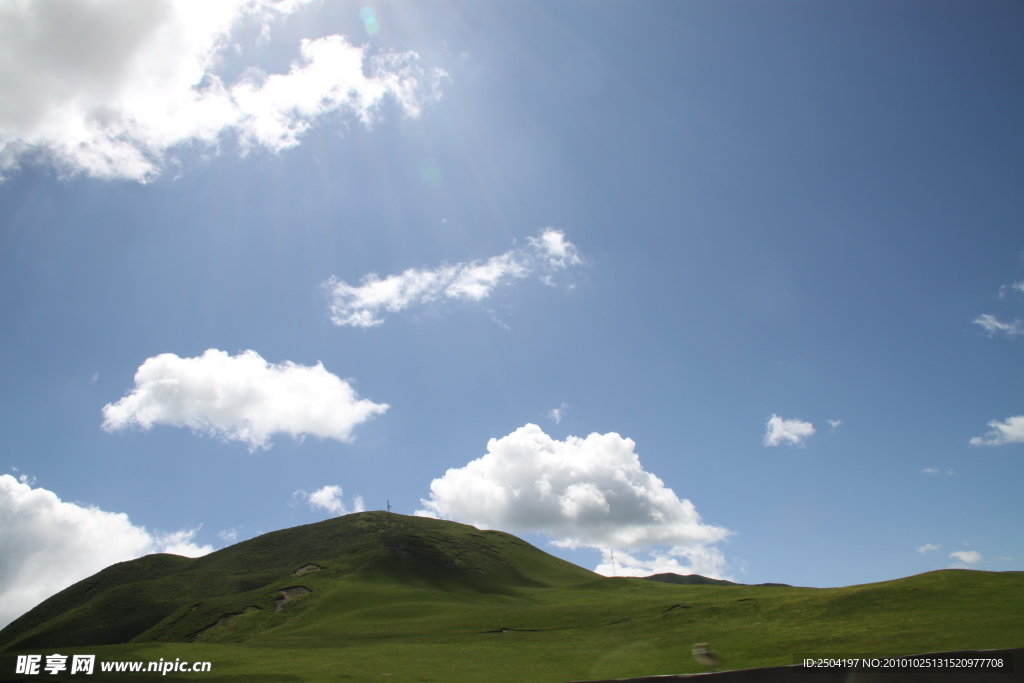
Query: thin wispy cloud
[(1010, 430), (1016, 288), (993, 325), (24, 478), (240, 398), (582, 493), (49, 544), (364, 305), (927, 548), (790, 431), (329, 499), (229, 536), (114, 88), (558, 413), (834, 423)]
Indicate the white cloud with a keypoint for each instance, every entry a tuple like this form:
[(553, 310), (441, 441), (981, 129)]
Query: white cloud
[(228, 535), (834, 423), (111, 87), (793, 431), (704, 560), (363, 305), (935, 471), (329, 498), (240, 398), (558, 413), (180, 543), (590, 492), (476, 280), (927, 548), (559, 252), (966, 557), (1015, 287), (993, 325), (24, 478), (1009, 431), (46, 544)]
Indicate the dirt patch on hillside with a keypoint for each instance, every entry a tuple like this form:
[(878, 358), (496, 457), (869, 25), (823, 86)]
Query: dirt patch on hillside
[(287, 594), (220, 625)]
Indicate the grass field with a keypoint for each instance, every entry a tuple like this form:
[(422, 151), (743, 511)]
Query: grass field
[(424, 600)]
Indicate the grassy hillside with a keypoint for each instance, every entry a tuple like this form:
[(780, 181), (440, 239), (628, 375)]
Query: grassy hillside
[(170, 598), (429, 600)]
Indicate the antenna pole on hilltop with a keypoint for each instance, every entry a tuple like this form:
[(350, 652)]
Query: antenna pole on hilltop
[(389, 518)]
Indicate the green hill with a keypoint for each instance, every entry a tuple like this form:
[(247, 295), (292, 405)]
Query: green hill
[(172, 598), (371, 593)]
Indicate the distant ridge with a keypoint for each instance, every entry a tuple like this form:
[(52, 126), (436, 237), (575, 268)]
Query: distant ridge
[(697, 579)]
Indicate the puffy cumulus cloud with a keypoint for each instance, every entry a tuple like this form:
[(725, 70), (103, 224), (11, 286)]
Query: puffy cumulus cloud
[(112, 88), (363, 305), (927, 548), (992, 325), (793, 431), (582, 492), (47, 544), (965, 557), (240, 398), (329, 498), (1010, 430)]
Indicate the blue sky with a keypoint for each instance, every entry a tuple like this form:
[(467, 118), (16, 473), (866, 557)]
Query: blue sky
[(763, 259)]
